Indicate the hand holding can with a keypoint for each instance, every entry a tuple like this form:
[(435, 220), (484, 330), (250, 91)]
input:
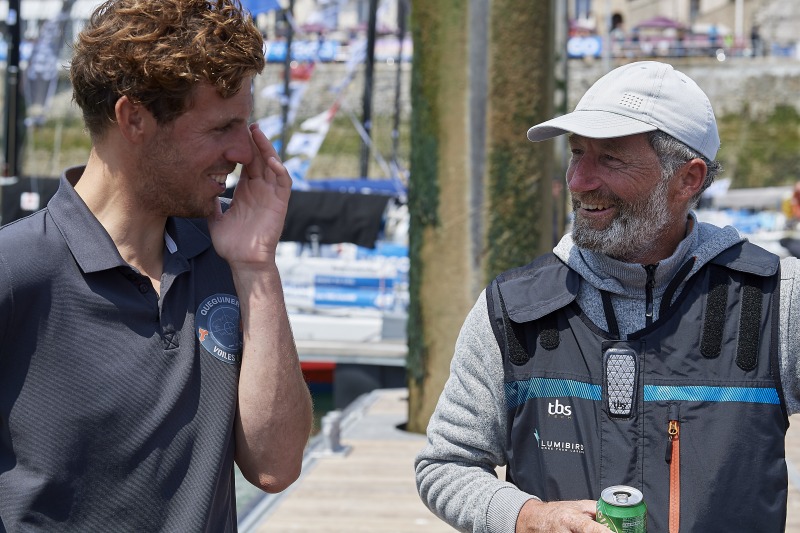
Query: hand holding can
[(622, 509)]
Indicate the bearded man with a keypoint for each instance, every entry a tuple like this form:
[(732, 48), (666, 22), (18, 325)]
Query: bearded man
[(634, 354)]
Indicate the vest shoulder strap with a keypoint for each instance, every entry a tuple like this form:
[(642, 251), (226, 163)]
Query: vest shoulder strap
[(748, 258), (537, 289), (526, 294)]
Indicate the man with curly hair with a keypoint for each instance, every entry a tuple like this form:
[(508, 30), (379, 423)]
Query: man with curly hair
[(145, 341)]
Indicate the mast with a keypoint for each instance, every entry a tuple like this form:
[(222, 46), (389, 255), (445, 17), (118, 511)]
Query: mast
[(401, 34), (288, 16), (368, 77), (13, 117)]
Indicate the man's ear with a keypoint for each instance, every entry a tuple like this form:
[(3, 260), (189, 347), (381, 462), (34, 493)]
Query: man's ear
[(692, 177), (135, 122)]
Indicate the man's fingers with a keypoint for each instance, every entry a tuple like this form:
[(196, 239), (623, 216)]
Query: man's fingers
[(561, 517), (284, 179), (263, 145), (270, 157)]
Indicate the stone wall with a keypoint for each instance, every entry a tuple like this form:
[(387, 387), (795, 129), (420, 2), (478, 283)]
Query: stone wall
[(737, 85), (746, 86)]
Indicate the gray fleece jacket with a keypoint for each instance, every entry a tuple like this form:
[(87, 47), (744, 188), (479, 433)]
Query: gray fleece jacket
[(455, 472)]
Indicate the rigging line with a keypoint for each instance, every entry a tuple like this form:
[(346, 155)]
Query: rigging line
[(365, 138)]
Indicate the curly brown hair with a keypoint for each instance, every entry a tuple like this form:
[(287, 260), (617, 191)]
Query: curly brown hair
[(155, 52)]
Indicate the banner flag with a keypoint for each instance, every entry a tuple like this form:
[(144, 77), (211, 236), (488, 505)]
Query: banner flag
[(41, 75), (272, 126), (319, 123), (305, 144)]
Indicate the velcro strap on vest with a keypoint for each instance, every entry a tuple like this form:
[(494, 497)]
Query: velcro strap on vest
[(749, 324), (528, 305), (714, 321), (749, 319), (549, 338), (517, 353)]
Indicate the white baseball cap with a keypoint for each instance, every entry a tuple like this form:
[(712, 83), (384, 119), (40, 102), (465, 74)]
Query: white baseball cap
[(636, 98)]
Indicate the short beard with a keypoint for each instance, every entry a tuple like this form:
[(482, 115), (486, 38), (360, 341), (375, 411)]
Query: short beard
[(160, 186), (636, 230)]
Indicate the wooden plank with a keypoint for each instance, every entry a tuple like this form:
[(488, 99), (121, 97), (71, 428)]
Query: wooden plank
[(373, 489)]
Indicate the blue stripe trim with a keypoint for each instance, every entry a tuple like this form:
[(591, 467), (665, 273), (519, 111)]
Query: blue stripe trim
[(519, 392), (711, 394)]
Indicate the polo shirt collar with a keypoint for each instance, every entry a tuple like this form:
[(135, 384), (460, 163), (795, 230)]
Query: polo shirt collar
[(90, 243)]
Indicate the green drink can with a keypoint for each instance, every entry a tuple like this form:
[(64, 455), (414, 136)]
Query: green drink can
[(622, 509)]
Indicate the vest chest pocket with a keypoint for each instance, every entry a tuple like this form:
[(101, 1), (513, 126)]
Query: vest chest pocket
[(556, 440)]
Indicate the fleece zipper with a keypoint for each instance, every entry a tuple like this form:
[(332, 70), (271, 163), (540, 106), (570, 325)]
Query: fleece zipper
[(650, 284)]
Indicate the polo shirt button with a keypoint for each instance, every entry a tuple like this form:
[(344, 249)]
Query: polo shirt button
[(143, 288)]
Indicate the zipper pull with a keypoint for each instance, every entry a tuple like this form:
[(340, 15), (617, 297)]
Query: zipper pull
[(650, 284), (672, 430)]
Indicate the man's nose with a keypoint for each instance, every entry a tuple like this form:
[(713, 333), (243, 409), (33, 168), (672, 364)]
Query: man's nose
[(582, 175), (240, 147)]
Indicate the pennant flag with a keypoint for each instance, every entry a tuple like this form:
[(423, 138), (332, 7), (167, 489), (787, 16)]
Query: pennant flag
[(272, 126), (305, 144), (318, 123), (41, 75)]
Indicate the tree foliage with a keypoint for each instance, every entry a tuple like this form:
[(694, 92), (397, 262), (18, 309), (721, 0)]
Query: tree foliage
[(761, 152)]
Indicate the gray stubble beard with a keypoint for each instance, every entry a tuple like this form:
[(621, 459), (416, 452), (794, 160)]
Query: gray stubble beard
[(636, 229)]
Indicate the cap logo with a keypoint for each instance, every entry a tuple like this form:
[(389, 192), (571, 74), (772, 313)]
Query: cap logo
[(219, 329), (631, 101)]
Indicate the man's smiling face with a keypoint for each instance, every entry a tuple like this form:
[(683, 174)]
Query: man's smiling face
[(621, 201)]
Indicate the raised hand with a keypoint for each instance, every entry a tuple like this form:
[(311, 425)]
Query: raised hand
[(248, 232)]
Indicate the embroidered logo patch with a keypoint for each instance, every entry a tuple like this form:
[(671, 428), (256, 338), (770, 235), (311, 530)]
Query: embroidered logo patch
[(219, 327)]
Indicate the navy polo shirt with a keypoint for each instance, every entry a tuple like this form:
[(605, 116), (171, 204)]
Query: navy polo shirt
[(116, 406)]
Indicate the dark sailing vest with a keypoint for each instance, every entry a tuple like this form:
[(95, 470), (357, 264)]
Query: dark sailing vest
[(690, 407)]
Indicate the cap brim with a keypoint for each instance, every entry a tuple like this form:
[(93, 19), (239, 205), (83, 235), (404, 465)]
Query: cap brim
[(592, 124)]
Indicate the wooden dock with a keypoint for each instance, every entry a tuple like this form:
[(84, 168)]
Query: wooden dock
[(369, 486)]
